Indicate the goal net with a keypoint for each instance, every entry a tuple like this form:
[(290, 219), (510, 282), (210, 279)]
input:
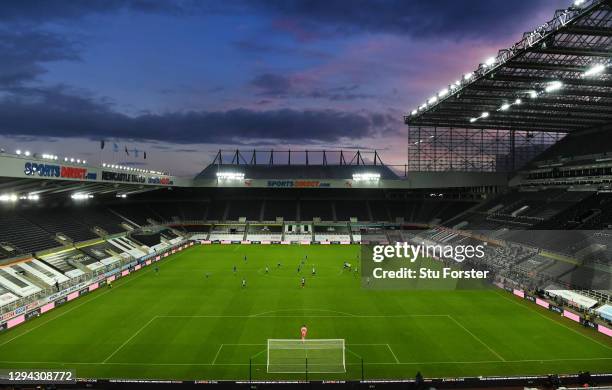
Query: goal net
[(300, 356)]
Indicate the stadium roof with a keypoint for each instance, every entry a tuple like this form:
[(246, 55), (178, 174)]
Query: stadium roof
[(298, 164), (558, 77)]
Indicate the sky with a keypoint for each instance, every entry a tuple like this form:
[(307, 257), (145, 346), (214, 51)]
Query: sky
[(182, 79)]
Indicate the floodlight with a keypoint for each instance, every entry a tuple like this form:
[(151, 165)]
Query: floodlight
[(18, 152), (230, 175), (518, 101), (81, 196), (432, 100), (484, 115), (532, 94), (504, 107), (578, 3), (594, 70), (366, 176), (8, 198), (490, 61), (443, 92), (414, 112), (553, 86), (472, 120)]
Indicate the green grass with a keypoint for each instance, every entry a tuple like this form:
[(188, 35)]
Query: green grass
[(177, 324)]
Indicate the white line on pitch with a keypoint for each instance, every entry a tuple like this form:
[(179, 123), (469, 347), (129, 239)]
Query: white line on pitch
[(82, 303), (217, 355), (477, 338), (130, 339), (393, 353), (366, 363), (535, 310)]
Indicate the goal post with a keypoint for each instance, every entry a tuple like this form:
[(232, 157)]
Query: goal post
[(309, 355)]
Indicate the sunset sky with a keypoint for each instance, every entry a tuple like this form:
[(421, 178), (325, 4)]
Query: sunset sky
[(181, 79)]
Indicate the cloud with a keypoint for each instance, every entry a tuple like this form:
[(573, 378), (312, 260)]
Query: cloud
[(43, 10), (307, 20), (280, 86), (272, 84), (22, 54), (251, 47), (61, 112)]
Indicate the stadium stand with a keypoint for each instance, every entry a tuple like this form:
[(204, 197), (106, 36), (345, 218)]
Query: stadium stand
[(311, 209), (264, 232), (247, 208), (23, 235), (332, 233), (274, 208), (347, 209), (295, 171)]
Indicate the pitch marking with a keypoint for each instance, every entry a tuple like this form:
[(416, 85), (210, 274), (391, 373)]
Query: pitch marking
[(130, 339), (352, 364), (217, 355), (553, 320), (476, 338)]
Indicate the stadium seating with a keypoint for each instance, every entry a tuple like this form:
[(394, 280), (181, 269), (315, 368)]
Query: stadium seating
[(24, 235), (347, 209), (332, 233), (273, 208), (310, 209), (265, 232), (248, 208)]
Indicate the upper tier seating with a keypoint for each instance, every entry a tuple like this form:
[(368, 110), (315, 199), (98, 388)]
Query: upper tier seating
[(23, 234), (57, 220)]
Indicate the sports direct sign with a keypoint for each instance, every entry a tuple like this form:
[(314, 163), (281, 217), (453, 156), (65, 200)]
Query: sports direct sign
[(422, 265), (58, 171)]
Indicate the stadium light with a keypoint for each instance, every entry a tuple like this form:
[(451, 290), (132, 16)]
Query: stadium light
[(532, 94), (518, 101), (472, 120), (578, 3), (484, 115), (432, 100), (553, 86), (230, 175), (504, 107), (81, 196), (27, 153), (366, 176), (468, 76), (8, 198), (594, 70), (414, 112), (490, 61), (18, 152), (443, 92), (121, 196)]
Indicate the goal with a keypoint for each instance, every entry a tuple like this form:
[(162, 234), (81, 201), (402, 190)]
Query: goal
[(310, 355)]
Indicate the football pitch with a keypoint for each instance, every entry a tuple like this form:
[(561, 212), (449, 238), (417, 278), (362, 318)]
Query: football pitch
[(194, 320)]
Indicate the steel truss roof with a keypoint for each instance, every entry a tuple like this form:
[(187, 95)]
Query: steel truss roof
[(562, 49)]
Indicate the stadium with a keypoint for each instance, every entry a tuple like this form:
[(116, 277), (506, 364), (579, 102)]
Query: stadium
[(261, 270)]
